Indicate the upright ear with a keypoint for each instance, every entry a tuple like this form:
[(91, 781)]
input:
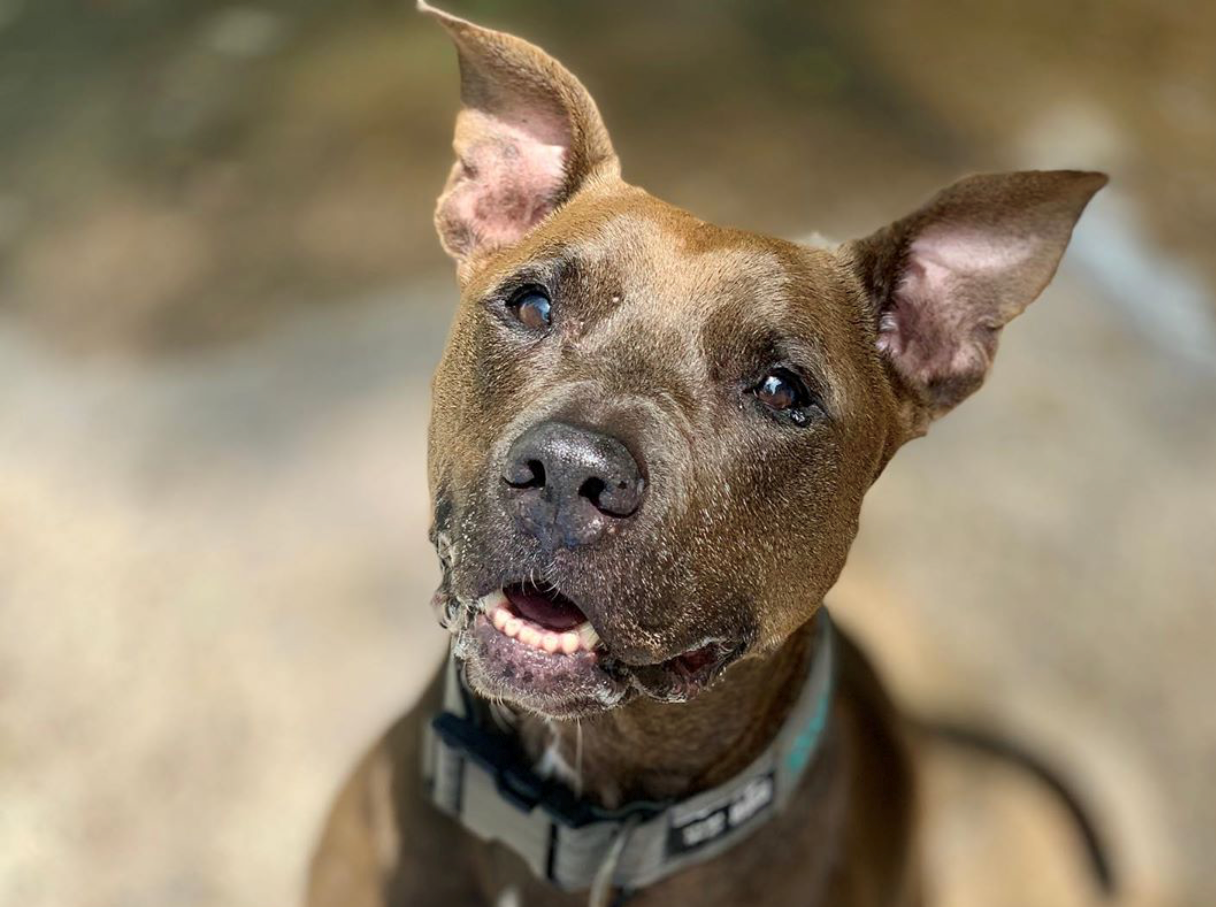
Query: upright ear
[(528, 137), (944, 281)]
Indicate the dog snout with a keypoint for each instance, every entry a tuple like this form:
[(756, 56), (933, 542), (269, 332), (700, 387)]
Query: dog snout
[(567, 485)]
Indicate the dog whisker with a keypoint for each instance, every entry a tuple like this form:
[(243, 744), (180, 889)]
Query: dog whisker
[(578, 758)]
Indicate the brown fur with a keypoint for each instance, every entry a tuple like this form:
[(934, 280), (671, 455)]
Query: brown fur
[(662, 324)]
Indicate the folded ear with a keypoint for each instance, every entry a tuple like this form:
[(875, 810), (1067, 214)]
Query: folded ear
[(943, 281), (528, 137)]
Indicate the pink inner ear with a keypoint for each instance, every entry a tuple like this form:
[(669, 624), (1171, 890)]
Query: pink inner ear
[(959, 269), (508, 179), (951, 300), (971, 251)]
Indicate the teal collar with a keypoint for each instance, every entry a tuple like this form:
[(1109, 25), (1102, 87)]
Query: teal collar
[(474, 772)]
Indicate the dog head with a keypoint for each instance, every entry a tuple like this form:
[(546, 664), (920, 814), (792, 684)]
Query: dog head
[(650, 435)]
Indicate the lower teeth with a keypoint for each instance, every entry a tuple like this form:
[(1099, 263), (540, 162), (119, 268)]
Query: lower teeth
[(582, 637)]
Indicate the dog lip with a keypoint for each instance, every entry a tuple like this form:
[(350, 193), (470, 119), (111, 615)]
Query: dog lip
[(577, 658), (703, 656), (697, 659), (572, 673), (555, 685), (680, 678)]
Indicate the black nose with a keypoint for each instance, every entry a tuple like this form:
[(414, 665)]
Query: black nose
[(567, 486)]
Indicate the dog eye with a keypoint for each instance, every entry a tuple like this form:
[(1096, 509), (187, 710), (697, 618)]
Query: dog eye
[(531, 308), (785, 393)]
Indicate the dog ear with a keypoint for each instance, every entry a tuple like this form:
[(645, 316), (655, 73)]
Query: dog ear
[(528, 137), (943, 281)]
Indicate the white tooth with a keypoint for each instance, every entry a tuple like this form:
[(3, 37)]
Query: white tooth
[(587, 635), (529, 636), (569, 642), (549, 642), (500, 617), (512, 626), (495, 599)]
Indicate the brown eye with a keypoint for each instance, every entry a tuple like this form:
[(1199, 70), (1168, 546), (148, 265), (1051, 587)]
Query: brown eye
[(785, 394), (777, 393), (532, 308)]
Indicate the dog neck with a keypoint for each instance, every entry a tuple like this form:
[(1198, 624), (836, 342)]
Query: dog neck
[(649, 750)]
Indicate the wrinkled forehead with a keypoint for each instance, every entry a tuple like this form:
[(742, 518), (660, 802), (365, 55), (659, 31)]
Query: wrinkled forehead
[(637, 259), (670, 261)]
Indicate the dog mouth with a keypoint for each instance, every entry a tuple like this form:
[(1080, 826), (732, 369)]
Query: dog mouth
[(541, 618), (532, 645)]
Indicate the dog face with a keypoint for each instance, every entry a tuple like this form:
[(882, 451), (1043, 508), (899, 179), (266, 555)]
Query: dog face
[(651, 436)]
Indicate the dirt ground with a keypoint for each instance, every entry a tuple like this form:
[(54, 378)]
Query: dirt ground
[(220, 302)]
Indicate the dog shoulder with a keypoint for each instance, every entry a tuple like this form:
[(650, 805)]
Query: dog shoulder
[(884, 810), (381, 840)]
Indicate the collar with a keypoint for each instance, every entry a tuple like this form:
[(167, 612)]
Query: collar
[(477, 774)]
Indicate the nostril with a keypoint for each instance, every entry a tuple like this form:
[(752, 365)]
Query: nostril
[(621, 500), (538, 473), (526, 474), (592, 490)]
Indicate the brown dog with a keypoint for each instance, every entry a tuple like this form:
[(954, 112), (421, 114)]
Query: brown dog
[(649, 445)]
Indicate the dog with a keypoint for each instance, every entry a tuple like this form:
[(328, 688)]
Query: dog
[(648, 448)]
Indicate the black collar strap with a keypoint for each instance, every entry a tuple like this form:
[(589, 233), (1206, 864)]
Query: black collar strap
[(477, 774)]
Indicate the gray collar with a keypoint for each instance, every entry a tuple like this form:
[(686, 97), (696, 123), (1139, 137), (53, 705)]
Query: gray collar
[(475, 773)]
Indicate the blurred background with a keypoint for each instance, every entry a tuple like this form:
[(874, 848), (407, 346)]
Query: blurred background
[(221, 299)]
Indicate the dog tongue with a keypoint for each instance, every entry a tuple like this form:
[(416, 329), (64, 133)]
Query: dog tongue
[(548, 609)]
